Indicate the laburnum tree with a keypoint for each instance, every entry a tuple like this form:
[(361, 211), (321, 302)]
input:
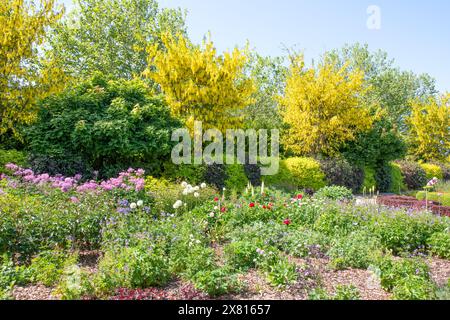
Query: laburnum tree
[(322, 107), (27, 74), (199, 84), (429, 125)]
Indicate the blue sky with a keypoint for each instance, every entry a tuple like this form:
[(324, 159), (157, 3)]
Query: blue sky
[(415, 33)]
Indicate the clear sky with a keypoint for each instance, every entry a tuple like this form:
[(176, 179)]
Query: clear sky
[(415, 33)]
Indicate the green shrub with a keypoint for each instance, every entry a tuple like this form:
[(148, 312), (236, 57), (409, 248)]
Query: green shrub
[(47, 268), (75, 283), (348, 292), (339, 172), (12, 156), (337, 222), (216, 282), (397, 183), (184, 172), (414, 176), (133, 267), (353, 251), (241, 255), (443, 198), (393, 272), (413, 287), (278, 270), (236, 178), (432, 171), (334, 193), (298, 173), (369, 178), (305, 243), (439, 244), (111, 125)]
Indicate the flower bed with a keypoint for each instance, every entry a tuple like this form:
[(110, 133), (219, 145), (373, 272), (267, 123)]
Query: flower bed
[(411, 202)]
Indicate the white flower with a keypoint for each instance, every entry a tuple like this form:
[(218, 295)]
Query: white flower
[(196, 195), (211, 215), (203, 185), (177, 204), (216, 208), (133, 205), (184, 184), (196, 188), (140, 203), (185, 192)]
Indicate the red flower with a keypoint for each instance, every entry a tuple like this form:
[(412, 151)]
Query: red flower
[(251, 205), (264, 207), (299, 196), (223, 209), (287, 222), (216, 199)]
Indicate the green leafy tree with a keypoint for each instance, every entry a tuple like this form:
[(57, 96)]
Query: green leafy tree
[(109, 125), (111, 36), (269, 75)]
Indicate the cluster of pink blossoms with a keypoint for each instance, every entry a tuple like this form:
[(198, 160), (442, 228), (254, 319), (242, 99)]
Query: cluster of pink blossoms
[(131, 179)]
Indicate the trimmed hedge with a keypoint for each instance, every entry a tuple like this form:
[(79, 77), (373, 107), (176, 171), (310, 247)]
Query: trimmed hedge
[(397, 179)]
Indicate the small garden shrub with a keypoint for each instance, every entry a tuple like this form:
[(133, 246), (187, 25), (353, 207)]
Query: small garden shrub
[(348, 292), (75, 283), (184, 172), (216, 175), (432, 171), (241, 255), (305, 243), (253, 173), (413, 287), (353, 251), (334, 193), (133, 267), (278, 270), (414, 176), (47, 268), (439, 244), (303, 172), (339, 172), (393, 271), (216, 282)]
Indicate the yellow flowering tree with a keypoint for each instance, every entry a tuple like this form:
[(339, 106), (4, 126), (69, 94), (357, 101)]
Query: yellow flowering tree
[(199, 84), (26, 74), (322, 107), (429, 125)]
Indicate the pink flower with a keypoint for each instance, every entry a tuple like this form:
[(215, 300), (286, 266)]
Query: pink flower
[(287, 222), (74, 199)]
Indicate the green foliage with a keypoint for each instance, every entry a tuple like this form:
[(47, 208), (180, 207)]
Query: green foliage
[(184, 172), (439, 244), (349, 292), (241, 254), (75, 283), (397, 183), (339, 172), (7, 277), (443, 198), (298, 173), (336, 222), (279, 271), (413, 287), (216, 282), (432, 171), (12, 156), (110, 125), (236, 178), (414, 176), (353, 251), (304, 243), (112, 36), (394, 271), (369, 178), (133, 267), (48, 267), (334, 193), (383, 177)]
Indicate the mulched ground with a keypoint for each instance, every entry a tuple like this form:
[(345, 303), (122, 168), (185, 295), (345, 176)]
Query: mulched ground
[(313, 272)]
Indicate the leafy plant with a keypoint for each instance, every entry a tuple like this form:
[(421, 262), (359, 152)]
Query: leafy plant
[(334, 193), (415, 177), (339, 172), (439, 244)]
